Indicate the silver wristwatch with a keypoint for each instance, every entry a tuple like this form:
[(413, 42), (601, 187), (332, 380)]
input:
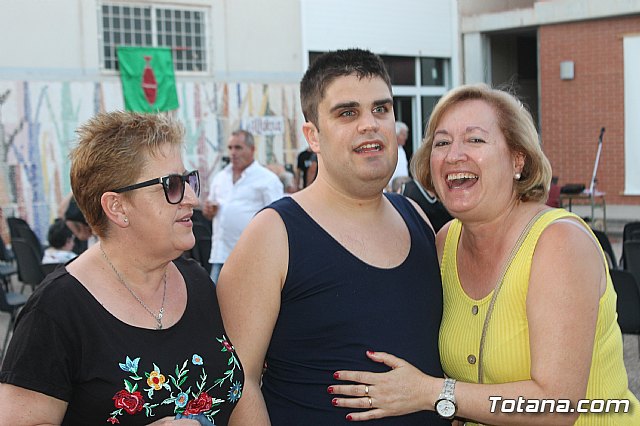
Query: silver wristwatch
[(446, 403)]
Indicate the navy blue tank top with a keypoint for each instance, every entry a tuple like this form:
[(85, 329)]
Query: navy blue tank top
[(335, 307)]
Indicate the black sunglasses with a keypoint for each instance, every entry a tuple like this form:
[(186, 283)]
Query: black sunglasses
[(173, 185)]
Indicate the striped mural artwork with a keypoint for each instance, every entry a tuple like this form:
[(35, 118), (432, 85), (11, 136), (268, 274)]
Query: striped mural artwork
[(38, 122)]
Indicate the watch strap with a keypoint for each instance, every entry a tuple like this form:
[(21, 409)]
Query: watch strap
[(448, 389)]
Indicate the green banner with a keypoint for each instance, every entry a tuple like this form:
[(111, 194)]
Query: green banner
[(148, 80)]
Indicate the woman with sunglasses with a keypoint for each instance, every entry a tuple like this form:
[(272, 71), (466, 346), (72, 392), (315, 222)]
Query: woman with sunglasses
[(129, 332)]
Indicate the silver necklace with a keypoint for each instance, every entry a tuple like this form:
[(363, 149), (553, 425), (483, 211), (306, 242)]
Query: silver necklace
[(160, 314)]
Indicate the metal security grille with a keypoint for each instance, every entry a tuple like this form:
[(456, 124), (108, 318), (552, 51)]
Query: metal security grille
[(183, 30)]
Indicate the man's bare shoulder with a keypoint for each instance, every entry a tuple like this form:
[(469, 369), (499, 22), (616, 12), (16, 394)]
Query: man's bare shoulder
[(266, 221)]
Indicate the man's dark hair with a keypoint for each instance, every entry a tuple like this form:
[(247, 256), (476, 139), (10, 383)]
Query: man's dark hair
[(59, 234), (73, 212), (328, 67)]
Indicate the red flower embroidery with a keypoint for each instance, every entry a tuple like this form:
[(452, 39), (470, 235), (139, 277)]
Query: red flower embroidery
[(113, 420), (131, 402), (228, 345), (199, 405)]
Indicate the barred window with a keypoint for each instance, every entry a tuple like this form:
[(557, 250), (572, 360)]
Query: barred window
[(183, 30)]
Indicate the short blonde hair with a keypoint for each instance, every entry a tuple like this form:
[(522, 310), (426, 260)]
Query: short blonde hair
[(112, 149), (516, 125)]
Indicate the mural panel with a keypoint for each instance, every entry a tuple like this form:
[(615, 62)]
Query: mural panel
[(38, 122)]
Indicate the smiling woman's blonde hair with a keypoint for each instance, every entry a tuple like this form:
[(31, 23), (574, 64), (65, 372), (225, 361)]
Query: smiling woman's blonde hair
[(515, 123)]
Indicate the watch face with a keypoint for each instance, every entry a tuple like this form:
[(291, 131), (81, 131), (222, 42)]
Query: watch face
[(446, 408)]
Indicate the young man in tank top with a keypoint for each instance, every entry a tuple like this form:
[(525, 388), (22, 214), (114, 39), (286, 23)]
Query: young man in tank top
[(339, 268)]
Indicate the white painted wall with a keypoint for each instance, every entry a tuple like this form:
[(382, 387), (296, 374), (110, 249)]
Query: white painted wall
[(401, 27), (631, 112), (476, 68), (249, 40), (257, 40), (57, 39), (45, 34)]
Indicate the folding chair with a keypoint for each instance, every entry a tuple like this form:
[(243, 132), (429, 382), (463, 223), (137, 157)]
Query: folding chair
[(10, 302), (628, 301), (29, 262)]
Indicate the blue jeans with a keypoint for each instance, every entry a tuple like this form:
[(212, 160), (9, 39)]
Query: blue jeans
[(199, 417), (215, 272)]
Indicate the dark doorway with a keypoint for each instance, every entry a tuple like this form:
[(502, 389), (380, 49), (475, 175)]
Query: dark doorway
[(514, 64), (403, 109)]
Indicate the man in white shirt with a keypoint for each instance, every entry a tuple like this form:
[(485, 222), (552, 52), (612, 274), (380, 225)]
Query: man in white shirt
[(402, 167), (237, 193)]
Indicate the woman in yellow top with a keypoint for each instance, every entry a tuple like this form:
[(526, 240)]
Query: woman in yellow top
[(529, 322)]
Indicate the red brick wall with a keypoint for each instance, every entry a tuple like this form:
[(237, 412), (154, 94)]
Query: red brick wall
[(573, 111)]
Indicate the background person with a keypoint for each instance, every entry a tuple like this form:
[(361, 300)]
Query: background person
[(428, 202), (60, 247), (337, 268), (312, 170), (286, 177), (75, 221), (237, 193), (398, 183), (128, 332), (529, 307), (304, 162), (402, 167)]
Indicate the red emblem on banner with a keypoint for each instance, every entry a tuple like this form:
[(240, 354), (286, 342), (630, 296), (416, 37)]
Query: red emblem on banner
[(149, 84)]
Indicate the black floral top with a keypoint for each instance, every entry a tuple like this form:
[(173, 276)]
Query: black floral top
[(68, 346)]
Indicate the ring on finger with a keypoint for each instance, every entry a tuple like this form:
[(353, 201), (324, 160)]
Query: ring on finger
[(370, 402), (366, 390)]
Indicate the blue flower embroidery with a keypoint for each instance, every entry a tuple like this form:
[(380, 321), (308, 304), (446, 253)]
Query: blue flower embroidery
[(235, 392), (182, 399), (196, 359), (130, 366)]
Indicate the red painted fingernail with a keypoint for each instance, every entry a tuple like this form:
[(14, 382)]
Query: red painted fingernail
[(349, 418), (334, 401), (336, 375), (330, 389), (370, 352)]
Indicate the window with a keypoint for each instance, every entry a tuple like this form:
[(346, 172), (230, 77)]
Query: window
[(432, 71), (183, 30), (428, 104), (402, 70)]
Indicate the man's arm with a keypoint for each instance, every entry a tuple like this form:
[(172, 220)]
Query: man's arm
[(249, 294), (211, 205), (273, 191)]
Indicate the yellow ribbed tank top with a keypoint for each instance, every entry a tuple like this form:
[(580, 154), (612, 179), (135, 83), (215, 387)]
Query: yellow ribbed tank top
[(506, 356)]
